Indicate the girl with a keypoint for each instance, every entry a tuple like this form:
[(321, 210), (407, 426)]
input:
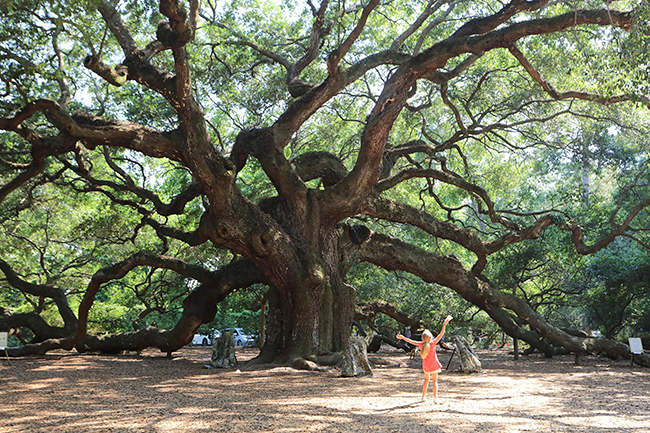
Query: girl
[(430, 363)]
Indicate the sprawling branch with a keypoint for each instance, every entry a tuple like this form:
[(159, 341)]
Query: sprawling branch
[(429, 10), (116, 76), (394, 254), (175, 206), (593, 97), (42, 147), (40, 328), (577, 232), (95, 131), (260, 143), (34, 169), (531, 232), (193, 238), (303, 108), (199, 307), (297, 87), (450, 178), (119, 270), (393, 98), (397, 212), (136, 65), (483, 25)]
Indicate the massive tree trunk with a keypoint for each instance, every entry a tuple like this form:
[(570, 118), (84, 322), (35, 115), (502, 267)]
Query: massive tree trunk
[(314, 316)]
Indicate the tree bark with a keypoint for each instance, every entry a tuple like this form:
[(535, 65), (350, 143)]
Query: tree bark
[(223, 352), (469, 362)]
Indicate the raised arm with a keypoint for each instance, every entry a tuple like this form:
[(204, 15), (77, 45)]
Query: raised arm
[(442, 331)]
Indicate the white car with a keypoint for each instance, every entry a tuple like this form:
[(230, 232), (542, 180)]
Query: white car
[(205, 339), (240, 338)]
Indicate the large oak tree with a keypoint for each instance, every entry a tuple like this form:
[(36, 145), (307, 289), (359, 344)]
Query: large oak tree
[(302, 142)]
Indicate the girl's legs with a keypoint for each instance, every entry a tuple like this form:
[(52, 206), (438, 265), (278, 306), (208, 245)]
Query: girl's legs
[(425, 386), (435, 386)]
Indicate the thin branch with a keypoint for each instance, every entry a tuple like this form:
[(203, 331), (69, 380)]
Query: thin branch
[(548, 87), (338, 54)]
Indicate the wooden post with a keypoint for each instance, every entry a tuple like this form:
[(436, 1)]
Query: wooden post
[(262, 322), (450, 358), (515, 347)]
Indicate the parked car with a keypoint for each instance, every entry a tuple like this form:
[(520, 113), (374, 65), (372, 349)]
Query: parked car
[(205, 339), (240, 338)]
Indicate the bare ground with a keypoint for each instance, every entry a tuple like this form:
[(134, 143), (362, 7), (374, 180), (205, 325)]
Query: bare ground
[(69, 392)]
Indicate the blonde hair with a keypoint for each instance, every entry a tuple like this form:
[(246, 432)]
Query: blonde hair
[(427, 336)]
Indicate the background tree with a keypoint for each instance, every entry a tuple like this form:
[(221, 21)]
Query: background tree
[(164, 155)]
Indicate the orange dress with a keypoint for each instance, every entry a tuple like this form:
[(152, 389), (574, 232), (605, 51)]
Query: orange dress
[(430, 364)]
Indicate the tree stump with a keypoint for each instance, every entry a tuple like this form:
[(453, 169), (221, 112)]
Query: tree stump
[(223, 352), (355, 359), (469, 362)]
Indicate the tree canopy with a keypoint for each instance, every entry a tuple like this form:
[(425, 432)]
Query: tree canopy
[(157, 156)]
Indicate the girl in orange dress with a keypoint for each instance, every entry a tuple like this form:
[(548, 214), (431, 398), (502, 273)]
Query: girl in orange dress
[(430, 363)]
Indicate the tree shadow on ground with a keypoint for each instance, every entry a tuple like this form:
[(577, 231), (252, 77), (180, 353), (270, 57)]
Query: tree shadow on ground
[(127, 393)]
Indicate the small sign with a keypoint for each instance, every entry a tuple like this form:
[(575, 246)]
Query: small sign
[(636, 347), (3, 339)]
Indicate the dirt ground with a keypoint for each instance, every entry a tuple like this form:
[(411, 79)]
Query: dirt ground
[(69, 392)]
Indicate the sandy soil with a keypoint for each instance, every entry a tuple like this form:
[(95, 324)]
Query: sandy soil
[(69, 392)]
